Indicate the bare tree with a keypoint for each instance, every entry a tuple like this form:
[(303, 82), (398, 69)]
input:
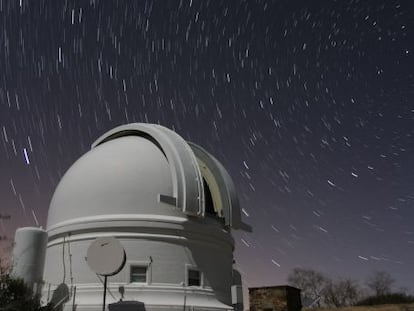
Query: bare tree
[(380, 282), (340, 293), (309, 281)]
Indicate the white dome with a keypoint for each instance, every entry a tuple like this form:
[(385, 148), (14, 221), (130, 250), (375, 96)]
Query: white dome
[(170, 204), (122, 176), (142, 169)]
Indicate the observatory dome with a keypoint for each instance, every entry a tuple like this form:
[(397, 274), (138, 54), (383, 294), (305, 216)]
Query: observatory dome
[(123, 176), (168, 202), (142, 169)]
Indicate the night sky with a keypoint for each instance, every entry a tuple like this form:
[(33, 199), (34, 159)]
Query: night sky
[(308, 104)]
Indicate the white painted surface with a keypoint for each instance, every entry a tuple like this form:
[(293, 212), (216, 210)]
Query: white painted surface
[(29, 254), (106, 256), (113, 191)]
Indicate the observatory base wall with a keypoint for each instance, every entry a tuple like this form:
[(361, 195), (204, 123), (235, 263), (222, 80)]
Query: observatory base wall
[(167, 255)]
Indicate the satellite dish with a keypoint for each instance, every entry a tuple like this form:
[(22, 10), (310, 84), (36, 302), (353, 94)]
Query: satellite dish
[(106, 256)]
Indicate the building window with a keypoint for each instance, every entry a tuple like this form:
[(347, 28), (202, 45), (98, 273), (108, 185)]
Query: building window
[(138, 274), (194, 277)]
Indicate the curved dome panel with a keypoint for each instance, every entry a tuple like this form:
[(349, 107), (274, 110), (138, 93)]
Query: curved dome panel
[(144, 169), (186, 177), (222, 188), (123, 176)]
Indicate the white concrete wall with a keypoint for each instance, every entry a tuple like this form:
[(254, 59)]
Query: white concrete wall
[(29, 254), (203, 244)]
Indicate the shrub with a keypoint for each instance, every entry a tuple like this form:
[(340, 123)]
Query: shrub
[(15, 295), (395, 298)]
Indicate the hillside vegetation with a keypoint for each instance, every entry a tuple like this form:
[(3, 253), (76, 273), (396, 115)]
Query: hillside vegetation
[(387, 307)]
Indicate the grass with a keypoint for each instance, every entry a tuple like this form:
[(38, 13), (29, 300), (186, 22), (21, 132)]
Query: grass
[(390, 307)]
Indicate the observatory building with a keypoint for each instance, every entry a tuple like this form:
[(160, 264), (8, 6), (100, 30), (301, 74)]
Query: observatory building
[(168, 202)]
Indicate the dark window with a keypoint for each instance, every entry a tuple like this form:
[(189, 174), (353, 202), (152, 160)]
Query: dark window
[(208, 199), (138, 274), (194, 278)]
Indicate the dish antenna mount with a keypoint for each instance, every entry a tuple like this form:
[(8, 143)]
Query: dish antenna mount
[(106, 256)]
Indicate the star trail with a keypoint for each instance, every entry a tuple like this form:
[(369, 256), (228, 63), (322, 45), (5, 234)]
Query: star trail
[(308, 104)]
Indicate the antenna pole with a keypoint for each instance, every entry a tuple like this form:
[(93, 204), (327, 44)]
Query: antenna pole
[(104, 294)]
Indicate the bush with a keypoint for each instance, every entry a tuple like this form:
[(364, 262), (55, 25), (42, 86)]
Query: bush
[(340, 293), (15, 295), (396, 298)]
